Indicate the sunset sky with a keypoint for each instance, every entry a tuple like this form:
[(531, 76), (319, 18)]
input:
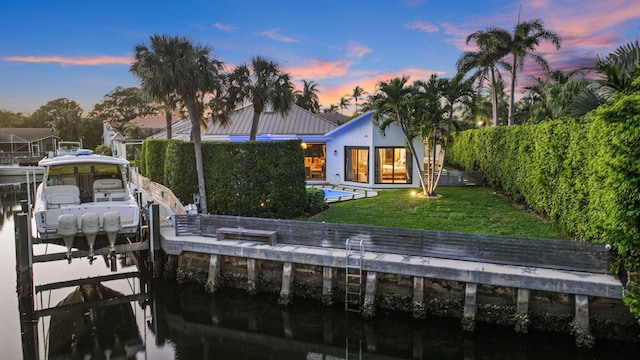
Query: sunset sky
[(82, 50)]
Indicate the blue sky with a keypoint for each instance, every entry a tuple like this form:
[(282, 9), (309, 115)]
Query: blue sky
[(81, 50)]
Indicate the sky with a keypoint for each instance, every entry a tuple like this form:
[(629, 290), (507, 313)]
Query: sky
[(81, 50)]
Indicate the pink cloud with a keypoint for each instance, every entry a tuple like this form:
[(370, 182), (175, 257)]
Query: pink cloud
[(422, 26), (224, 27), (357, 50), (90, 61), (318, 69), (274, 34)]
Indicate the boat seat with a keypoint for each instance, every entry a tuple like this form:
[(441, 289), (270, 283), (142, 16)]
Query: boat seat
[(59, 195), (108, 190)]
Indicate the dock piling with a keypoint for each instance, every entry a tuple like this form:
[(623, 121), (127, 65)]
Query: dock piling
[(469, 312)]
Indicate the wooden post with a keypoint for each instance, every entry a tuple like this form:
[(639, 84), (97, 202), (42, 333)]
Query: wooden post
[(154, 239), (469, 312), (28, 327), (522, 311), (287, 284), (419, 311), (251, 276), (328, 281), (214, 274), (369, 306), (581, 329)]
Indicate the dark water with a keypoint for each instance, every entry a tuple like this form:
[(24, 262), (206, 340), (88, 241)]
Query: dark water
[(164, 321)]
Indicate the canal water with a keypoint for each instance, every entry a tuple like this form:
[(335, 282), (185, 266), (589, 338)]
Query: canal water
[(154, 320)]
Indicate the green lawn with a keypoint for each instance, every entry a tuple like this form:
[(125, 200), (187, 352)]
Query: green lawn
[(462, 209)]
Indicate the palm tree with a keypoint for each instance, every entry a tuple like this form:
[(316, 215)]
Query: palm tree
[(395, 103), (493, 46), (344, 103), (174, 65), (331, 108), (356, 94), (526, 38), (265, 85), (307, 98)]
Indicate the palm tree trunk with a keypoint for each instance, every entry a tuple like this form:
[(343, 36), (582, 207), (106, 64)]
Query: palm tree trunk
[(194, 115), (513, 90), (169, 120), (254, 124), (494, 97)]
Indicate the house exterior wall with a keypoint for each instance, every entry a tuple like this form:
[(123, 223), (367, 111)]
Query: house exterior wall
[(363, 133)]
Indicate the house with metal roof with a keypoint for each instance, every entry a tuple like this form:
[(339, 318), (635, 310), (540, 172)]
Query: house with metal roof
[(352, 154)]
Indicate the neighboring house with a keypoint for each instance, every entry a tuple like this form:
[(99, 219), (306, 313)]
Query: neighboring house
[(353, 154), (26, 144), (151, 122)]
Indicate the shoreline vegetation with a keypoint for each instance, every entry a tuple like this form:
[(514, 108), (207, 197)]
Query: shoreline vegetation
[(477, 210)]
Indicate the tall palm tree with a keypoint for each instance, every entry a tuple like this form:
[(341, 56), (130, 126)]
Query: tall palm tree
[(331, 108), (493, 46), (264, 85), (523, 43), (395, 103), (307, 98), (174, 65), (356, 94), (344, 103)]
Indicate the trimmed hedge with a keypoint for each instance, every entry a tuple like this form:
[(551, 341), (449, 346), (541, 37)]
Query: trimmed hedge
[(260, 179), (584, 176), (315, 201)]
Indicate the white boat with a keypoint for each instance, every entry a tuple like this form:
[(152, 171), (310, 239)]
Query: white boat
[(85, 196)]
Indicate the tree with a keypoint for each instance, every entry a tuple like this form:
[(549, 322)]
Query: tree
[(9, 119), (307, 98), (395, 103), (356, 94), (344, 103), (173, 65), (493, 46), (120, 106), (523, 43), (64, 116), (331, 108), (264, 85)]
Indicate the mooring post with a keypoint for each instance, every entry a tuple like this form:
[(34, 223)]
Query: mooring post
[(522, 311), (252, 276), (28, 327), (328, 281), (581, 328), (154, 239), (369, 305), (419, 311), (287, 284), (213, 277), (469, 312), (286, 324)]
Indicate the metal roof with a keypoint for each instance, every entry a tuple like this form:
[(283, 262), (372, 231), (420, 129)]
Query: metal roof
[(298, 122)]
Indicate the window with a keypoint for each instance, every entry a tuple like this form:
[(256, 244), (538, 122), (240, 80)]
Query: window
[(392, 165), (356, 162), (314, 160)]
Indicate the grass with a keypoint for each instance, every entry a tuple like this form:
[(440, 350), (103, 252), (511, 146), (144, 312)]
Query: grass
[(461, 209)]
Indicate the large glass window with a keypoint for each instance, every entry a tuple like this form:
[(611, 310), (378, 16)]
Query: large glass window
[(314, 160), (392, 165), (356, 164)]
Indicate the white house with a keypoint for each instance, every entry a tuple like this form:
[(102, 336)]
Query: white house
[(355, 153)]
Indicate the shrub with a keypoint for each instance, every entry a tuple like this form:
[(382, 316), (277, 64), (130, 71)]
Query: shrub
[(315, 201)]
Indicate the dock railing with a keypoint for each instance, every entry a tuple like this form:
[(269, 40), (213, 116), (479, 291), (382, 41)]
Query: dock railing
[(505, 250)]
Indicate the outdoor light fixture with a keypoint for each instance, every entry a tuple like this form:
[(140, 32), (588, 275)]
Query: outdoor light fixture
[(335, 152), (303, 145)]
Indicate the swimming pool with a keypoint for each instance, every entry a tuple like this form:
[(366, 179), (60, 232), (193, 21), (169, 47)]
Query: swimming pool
[(330, 193)]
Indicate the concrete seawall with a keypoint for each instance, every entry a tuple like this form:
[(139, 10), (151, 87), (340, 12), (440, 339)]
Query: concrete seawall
[(586, 305)]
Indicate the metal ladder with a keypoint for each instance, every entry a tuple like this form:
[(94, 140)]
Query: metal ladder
[(353, 276)]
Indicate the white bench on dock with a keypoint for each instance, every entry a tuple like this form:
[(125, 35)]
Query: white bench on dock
[(271, 236)]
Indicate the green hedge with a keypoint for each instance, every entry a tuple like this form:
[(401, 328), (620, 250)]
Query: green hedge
[(260, 179), (584, 176), (152, 166)]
